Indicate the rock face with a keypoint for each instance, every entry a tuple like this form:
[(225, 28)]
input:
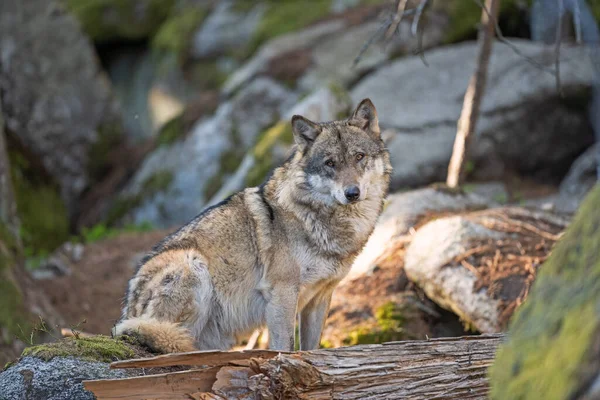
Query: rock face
[(480, 265), (68, 109), (176, 180), (332, 47), (57, 379), (552, 347), (226, 29), (421, 117)]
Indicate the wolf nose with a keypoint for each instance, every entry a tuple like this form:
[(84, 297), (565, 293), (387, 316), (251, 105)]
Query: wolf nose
[(352, 193)]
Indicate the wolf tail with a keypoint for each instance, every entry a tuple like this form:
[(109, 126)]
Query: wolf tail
[(159, 336)]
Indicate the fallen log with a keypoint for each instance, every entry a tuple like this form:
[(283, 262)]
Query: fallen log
[(447, 368)]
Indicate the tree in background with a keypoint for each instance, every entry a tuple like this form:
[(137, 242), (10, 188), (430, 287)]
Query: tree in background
[(472, 101)]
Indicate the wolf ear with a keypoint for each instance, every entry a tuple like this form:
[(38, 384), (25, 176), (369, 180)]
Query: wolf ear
[(365, 117), (305, 131)]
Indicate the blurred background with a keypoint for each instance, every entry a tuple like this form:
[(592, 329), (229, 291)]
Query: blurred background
[(120, 120)]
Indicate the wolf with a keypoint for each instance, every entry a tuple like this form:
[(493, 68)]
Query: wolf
[(267, 253)]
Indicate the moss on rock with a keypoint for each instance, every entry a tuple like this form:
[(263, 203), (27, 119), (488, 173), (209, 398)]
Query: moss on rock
[(175, 33), (95, 348), (41, 210), (553, 338), (288, 16), (160, 181), (389, 320), (105, 20), (281, 132)]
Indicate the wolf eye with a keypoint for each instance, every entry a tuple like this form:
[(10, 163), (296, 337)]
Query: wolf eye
[(359, 156), (330, 163)]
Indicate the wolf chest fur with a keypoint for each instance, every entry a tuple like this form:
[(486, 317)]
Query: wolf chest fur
[(268, 253)]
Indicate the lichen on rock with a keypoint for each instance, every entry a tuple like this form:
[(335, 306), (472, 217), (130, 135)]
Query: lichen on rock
[(552, 347)]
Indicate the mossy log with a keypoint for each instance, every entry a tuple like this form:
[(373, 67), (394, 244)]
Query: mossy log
[(449, 368), (554, 346)]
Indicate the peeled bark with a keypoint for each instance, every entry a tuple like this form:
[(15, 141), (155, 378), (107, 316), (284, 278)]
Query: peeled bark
[(449, 368)]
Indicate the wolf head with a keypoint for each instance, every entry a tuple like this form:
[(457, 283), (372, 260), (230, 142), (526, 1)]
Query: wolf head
[(342, 162)]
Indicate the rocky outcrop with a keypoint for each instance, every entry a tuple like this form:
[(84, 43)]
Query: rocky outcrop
[(273, 145), (332, 50), (176, 180), (55, 100), (525, 125), (55, 371)]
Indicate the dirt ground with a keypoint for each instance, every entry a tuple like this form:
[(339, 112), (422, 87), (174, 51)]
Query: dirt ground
[(90, 298)]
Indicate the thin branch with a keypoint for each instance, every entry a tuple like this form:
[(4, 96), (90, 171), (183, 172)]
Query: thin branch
[(417, 18), (397, 19)]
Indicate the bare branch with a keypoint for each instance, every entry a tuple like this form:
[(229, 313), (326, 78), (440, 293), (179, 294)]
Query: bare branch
[(472, 101), (417, 18), (397, 19)]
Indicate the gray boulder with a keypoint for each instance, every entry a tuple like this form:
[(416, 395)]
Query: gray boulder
[(55, 100), (226, 30), (175, 181), (58, 379), (523, 123)]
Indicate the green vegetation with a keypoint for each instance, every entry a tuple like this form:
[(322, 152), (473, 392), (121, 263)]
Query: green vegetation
[(389, 318), (207, 75), (465, 17), (96, 348), (228, 163), (159, 182), (287, 16), (279, 133), (553, 337), (101, 231), (43, 214), (105, 20), (110, 137), (175, 34)]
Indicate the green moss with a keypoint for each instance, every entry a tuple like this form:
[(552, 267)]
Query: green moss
[(171, 131), (175, 34), (288, 16), (96, 348), (102, 231), (466, 15), (553, 337), (342, 97), (390, 318), (159, 182), (207, 75), (279, 133), (43, 214), (105, 20), (13, 316), (110, 137)]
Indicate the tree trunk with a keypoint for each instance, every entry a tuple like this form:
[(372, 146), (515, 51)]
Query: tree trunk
[(472, 101), (449, 368)]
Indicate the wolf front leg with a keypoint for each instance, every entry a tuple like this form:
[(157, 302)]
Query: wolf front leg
[(312, 319), (281, 317)]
